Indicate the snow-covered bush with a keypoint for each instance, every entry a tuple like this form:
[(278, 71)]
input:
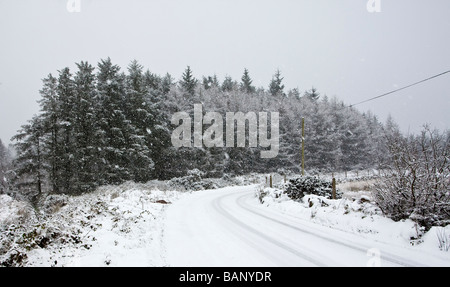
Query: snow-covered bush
[(53, 202), (300, 186), (192, 181), (17, 240), (418, 183)]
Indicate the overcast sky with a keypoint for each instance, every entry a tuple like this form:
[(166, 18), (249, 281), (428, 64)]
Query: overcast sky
[(336, 46)]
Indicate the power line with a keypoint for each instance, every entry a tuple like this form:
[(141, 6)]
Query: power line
[(405, 87)]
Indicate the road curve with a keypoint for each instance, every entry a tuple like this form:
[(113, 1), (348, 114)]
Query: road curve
[(228, 227)]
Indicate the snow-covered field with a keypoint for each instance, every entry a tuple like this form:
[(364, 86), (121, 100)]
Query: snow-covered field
[(143, 225)]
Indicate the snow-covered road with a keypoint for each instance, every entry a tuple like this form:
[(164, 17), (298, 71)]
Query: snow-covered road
[(228, 227)]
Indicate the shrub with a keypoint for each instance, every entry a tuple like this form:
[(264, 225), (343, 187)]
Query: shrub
[(417, 184), (192, 181), (53, 202), (298, 187)]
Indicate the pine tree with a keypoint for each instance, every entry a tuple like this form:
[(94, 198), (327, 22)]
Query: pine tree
[(246, 83), (86, 129), (312, 94), (109, 127), (167, 83), (210, 82), (157, 131), (290, 135), (67, 103), (29, 165), (377, 152), (323, 141), (228, 84), (276, 87), (51, 119), (4, 167), (353, 137), (188, 82), (137, 110), (113, 123), (141, 120), (152, 82), (135, 90), (294, 93)]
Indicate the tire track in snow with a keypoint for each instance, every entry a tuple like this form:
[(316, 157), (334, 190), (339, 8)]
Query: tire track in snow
[(353, 245), (248, 228), (227, 227)]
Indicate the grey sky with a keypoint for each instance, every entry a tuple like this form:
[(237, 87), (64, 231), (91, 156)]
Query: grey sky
[(336, 46)]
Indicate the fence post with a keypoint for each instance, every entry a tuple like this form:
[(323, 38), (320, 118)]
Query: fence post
[(303, 146), (270, 181), (333, 185)]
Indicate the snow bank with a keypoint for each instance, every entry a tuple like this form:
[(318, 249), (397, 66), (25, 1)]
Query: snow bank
[(114, 226), (356, 215), (13, 211)]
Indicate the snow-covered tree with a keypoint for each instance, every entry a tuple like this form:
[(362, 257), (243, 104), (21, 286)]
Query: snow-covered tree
[(416, 185), (51, 119), (67, 113), (86, 130), (228, 84), (323, 144), (113, 123), (353, 137), (107, 127), (188, 82), (276, 87), (312, 94), (210, 82), (246, 83), (29, 164), (5, 165)]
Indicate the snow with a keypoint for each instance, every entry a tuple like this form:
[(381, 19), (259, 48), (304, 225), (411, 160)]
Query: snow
[(153, 225), (229, 227), (114, 226), (346, 215), (11, 210)]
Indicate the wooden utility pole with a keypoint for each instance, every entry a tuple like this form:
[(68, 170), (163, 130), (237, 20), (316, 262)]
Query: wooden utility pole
[(303, 146)]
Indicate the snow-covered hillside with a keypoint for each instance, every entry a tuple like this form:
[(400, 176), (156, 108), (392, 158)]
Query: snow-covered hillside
[(114, 226)]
